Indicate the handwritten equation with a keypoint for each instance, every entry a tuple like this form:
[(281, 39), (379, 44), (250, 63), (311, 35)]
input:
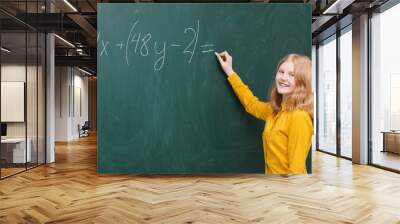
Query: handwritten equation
[(143, 44)]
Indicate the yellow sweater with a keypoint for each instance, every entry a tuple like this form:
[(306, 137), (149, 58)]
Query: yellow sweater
[(287, 134)]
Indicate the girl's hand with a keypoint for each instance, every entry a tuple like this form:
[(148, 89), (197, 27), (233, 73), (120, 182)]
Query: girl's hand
[(225, 60)]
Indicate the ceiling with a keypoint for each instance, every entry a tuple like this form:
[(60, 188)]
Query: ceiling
[(76, 22)]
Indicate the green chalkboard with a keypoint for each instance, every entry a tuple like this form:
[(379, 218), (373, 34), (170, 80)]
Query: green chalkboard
[(164, 105)]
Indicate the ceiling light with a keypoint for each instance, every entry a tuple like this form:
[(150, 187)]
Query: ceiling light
[(329, 9), (84, 71), (337, 7), (70, 5), (65, 41), (5, 50)]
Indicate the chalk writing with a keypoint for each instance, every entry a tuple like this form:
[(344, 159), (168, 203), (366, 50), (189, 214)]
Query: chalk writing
[(143, 44)]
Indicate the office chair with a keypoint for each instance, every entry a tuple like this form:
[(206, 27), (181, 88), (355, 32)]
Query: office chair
[(84, 130)]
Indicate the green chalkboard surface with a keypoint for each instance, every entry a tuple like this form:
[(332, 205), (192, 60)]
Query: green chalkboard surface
[(164, 105)]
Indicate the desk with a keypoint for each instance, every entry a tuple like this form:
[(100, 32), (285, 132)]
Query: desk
[(17, 150), (391, 141)]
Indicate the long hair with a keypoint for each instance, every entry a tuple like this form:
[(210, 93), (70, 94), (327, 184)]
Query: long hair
[(302, 96)]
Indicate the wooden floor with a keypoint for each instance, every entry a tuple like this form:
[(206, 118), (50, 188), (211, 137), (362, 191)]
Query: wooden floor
[(5, 172), (387, 159), (70, 191), (9, 171)]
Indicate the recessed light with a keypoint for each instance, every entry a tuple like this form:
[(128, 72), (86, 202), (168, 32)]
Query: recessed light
[(70, 5), (64, 40), (5, 50)]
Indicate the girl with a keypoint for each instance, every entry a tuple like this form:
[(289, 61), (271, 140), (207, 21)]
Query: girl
[(288, 129)]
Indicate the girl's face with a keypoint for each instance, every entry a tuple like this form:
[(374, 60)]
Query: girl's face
[(285, 82)]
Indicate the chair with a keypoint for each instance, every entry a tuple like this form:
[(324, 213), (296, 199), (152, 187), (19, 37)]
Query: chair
[(84, 130)]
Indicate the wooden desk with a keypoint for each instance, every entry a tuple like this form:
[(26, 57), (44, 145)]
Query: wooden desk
[(391, 141)]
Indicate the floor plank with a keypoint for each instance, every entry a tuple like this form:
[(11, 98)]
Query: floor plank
[(70, 191)]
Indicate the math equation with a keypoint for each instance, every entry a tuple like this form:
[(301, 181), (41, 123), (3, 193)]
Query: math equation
[(143, 44)]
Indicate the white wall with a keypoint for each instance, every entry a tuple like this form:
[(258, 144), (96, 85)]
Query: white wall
[(80, 104), (71, 102), (12, 73), (62, 81)]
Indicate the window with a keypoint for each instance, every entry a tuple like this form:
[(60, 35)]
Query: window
[(385, 89), (346, 92), (327, 95)]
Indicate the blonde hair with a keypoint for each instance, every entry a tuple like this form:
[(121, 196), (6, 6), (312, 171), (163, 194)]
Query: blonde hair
[(302, 96)]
